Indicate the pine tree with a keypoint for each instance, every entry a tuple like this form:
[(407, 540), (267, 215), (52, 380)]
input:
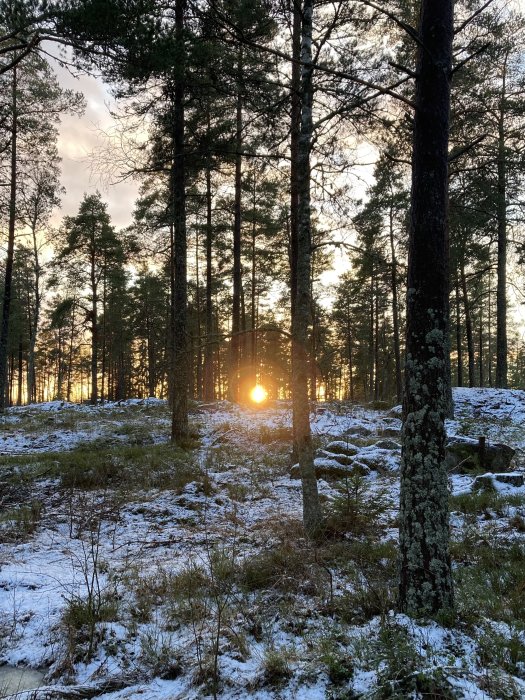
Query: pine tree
[(425, 569)]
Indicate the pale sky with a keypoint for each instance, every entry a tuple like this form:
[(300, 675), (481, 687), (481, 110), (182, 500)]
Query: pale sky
[(81, 136)]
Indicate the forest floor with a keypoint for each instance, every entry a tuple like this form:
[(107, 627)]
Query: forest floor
[(131, 569)]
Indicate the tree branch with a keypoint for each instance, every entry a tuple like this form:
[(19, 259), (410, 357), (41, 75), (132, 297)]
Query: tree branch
[(472, 17)]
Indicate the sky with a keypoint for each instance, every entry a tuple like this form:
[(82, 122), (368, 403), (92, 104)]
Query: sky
[(79, 138)]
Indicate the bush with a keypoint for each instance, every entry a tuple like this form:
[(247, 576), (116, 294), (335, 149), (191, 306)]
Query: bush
[(356, 510)]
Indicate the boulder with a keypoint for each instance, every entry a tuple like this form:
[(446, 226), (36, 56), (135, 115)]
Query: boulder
[(389, 431), (382, 461), (342, 447), (463, 455), (342, 459), (488, 481), (396, 412), (362, 430), (388, 445), (331, 469)]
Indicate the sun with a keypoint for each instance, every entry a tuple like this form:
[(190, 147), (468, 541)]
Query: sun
[(258, 394)]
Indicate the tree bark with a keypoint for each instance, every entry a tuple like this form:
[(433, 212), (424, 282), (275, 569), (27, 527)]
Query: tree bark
[(94, 328), (349, 356), (198, 377), (312, 516), (295, 131), (253, 302), (501, 294), (237, 269), (459, 344), (395, 310), (35, 316), (179, 423), (8, 279), (468, 327), (209, 390), (425, 571)]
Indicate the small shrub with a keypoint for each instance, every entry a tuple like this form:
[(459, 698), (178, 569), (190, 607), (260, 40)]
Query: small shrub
[(403, 673), (21, 522), (285, 568), (356, 510), (337, 661), (277, 664), (159, 655)]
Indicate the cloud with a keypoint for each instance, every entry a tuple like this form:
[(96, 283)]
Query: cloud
[(79, 138)]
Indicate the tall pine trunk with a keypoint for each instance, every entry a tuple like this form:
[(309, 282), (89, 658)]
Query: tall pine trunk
[(395, 310), (501, 294), (8, 279), (295, 131), (312, 516), (253, 300), (237, 269), (459, 344), (425, 571), (179, 423), (209, 389), (468, 327), (94, 327), (34, 315), (198, 378)]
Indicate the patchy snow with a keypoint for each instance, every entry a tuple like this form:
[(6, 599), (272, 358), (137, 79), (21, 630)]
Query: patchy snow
[(126, 548)]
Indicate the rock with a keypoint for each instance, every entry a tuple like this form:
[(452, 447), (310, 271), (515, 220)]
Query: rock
[(487, 481), (342, 459), (388, 445), (389, 431), (513, 478), (359, 430), (379, 460), (331, 469), (396, 412), (342, 447), (462, 456)]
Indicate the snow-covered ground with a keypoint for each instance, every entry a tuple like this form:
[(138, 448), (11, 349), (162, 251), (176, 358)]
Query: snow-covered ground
[(185, 575)]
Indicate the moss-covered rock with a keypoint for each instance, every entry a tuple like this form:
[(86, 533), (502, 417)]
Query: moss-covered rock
[(463, 455)]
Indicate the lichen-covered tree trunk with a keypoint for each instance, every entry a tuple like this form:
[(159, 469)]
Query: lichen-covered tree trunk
[(425, 570), (312, 517), (179, 423)]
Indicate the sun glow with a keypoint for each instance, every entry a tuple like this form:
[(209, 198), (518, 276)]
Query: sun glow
[(258, 394)]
